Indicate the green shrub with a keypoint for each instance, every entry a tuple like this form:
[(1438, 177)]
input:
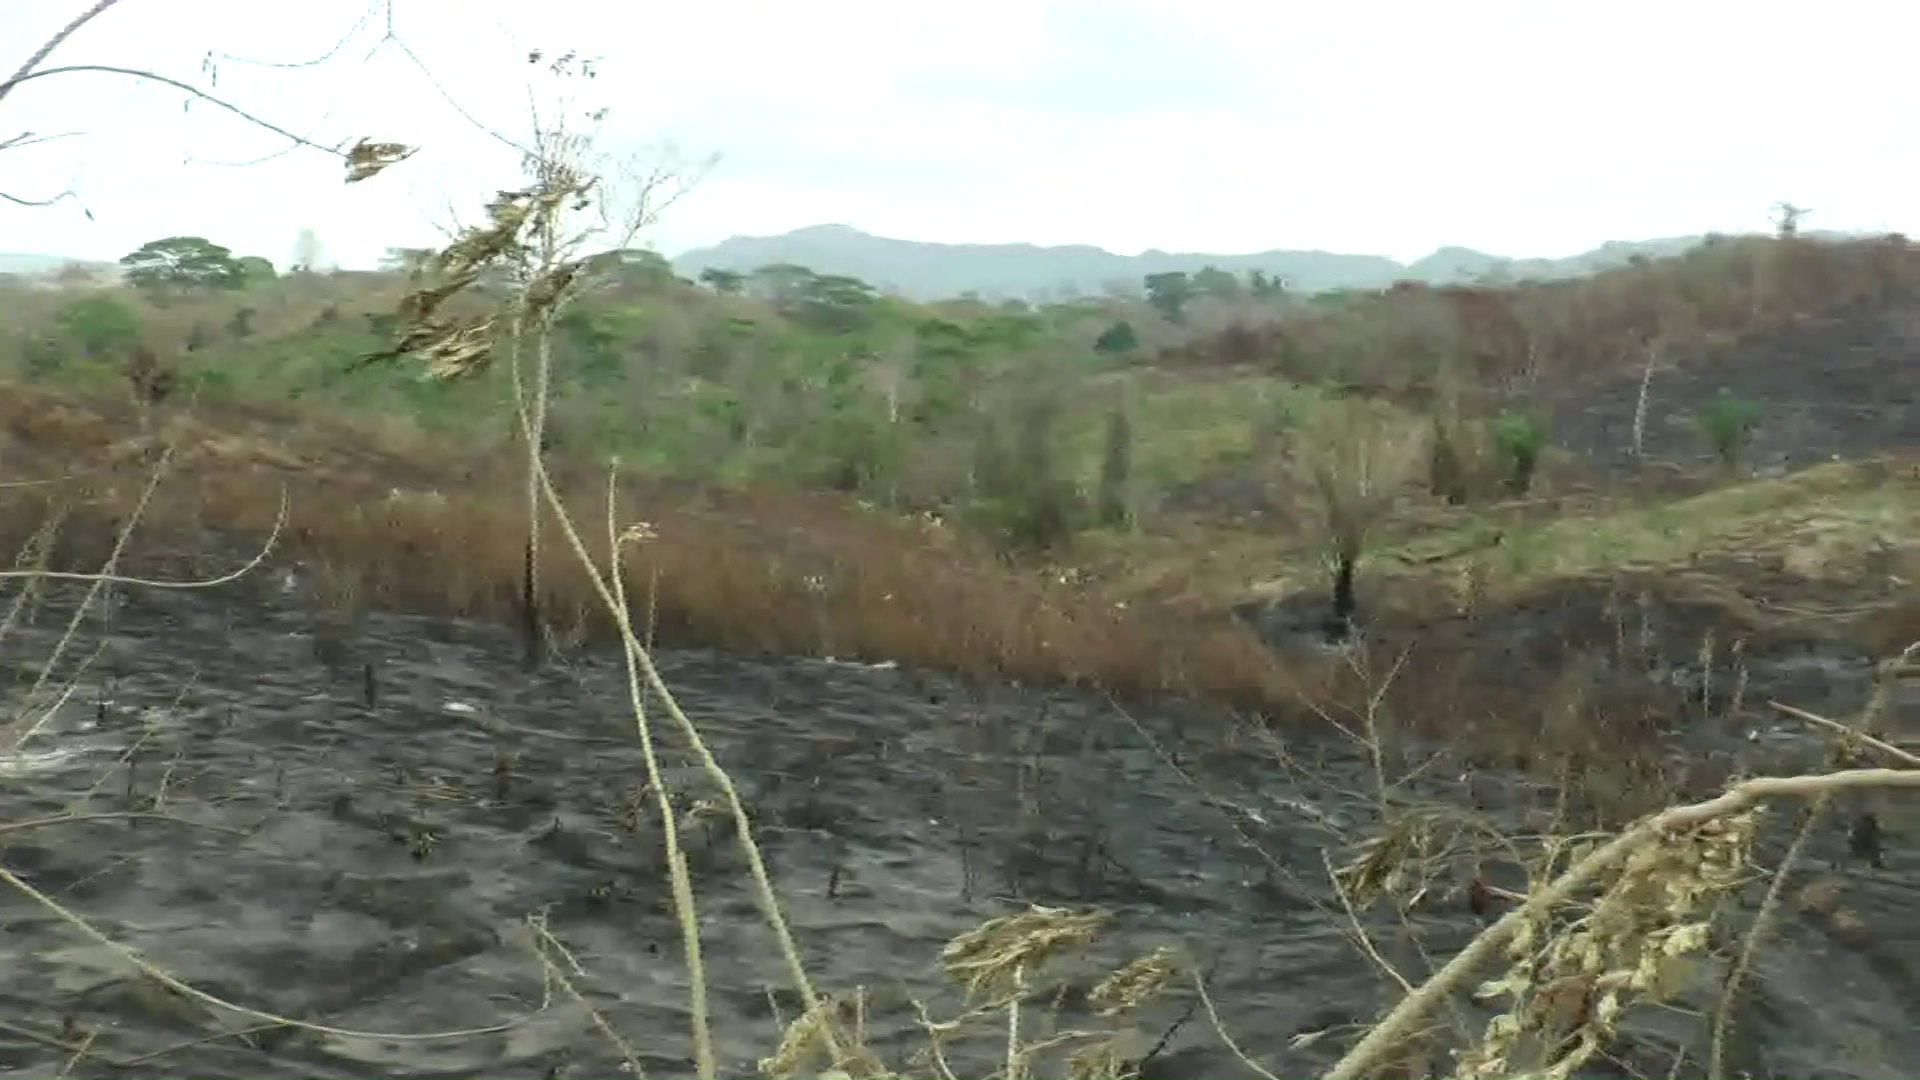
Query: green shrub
[(1728, 423), (99, 325), (1519, 439)]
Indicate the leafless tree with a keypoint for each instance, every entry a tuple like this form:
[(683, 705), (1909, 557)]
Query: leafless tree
[(1355, 457)]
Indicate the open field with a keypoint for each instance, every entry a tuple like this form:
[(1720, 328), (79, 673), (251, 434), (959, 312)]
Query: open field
[(938, 709)]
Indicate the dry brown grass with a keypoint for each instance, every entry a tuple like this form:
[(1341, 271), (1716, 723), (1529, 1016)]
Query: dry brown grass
[(745, 571), (775, 573)]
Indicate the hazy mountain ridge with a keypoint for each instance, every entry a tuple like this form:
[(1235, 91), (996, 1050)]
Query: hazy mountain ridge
[(932, 271), (929, 271), (21, 265)]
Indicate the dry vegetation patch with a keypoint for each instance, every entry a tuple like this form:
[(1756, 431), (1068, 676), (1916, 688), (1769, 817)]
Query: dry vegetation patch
[(415, 529)]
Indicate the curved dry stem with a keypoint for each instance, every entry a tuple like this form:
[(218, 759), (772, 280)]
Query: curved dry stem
[(1413, 1009), (18, 201), (1220, 1029), (107, 577), (543, 942), (171, 982), (642, 658), (46, 48), (1763, 920), (1887, 748), (113, 815), (187, 88), (252, 564), (530, 411), (96, 582), (679, 879)]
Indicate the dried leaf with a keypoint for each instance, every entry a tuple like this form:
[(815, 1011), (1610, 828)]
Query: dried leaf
[(366, 159)]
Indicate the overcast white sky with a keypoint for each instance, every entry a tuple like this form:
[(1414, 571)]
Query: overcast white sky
[(1378, 126)]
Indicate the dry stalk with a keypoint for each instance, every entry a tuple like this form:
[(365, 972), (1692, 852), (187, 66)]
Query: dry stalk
[(46, 47), (1641, 400), (552, 954), (525, 232), (32, 560)]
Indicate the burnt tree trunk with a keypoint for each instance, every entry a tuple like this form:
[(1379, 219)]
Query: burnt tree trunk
[(1339, 624)]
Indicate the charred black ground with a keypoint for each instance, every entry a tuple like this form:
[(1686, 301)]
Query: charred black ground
[(370, 867)]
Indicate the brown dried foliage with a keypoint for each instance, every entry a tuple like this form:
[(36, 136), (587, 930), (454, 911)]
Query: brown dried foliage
[(1556, 334)]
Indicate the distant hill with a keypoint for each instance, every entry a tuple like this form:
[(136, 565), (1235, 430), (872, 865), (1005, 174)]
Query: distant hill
[(935, 271), (929, 271)]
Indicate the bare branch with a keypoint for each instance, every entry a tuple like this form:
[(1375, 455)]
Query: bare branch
[(18, 201), (177, 85), (452, 102), (28, 138), (384, 7), (25, 71), (52, 43)]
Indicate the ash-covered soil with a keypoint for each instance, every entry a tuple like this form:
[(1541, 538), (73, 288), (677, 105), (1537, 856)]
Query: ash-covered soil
[(1845, 387), (363, 853)]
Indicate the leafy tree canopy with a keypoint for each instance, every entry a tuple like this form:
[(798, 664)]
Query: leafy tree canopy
[(179, 263)]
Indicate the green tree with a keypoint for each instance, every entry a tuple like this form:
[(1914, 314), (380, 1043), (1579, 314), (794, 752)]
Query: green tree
[(778, 283), (255, 270), (182, 263), (99, 325), (1264, 287), (724, 282), (637, 268), (1117, 340), (1217, 283), (1169, 293), (833, 303)]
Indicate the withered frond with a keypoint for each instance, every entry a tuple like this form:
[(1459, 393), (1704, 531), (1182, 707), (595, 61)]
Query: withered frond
[(1388, 863), (455, 347), (367, 159), (451, 348), (996, 956), (546, 291), (1135, 984), (460, 350)]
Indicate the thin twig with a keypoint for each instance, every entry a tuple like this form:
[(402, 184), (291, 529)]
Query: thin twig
[(174, 983), (188, 88), (1881, 745)]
